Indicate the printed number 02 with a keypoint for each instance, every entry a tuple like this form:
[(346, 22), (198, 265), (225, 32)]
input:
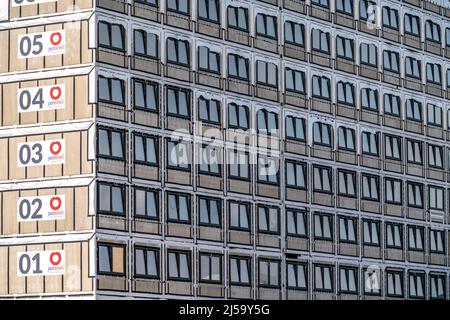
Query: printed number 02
[(25, 153), (25, 208), (26, 47), (25, 264)]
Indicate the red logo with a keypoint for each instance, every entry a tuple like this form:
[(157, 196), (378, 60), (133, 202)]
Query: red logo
[(55, 147), (55, 93), (55, 258), (55, 38), (55, 203)]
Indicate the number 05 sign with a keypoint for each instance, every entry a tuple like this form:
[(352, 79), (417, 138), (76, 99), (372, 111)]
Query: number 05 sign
[(40, 263), (41, 44), (38, 153)]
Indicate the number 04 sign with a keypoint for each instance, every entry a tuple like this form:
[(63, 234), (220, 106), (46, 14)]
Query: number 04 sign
[(40, 263), (41, 44), (38, 153), (41, 98)]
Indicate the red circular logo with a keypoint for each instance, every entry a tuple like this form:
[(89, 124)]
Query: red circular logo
[(55, 38), (55, 147), (55, 93), (55, 258), (55, 203)]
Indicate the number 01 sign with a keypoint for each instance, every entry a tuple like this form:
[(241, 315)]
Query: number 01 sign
[(41, 44), (40, 263), (38, 153)]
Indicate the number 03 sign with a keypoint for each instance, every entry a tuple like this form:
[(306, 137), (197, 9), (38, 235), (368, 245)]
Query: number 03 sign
[(41, 44), (38, 153), (40, 263)]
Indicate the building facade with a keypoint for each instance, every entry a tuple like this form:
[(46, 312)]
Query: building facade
[(270, 149)]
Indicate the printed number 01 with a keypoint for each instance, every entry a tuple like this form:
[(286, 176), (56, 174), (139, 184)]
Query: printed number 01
[(25, 264)]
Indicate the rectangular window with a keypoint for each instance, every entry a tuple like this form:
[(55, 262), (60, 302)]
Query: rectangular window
[(347, 230), (434, 113), (111, 90), (394, 283), (322, 3), (347, 183), (437, 238), (413, 68), (238, 67), (321, 87), (346, 138), (415, 238), (348, 280), (145, 149), (391, 61), (266, 26), (370, 187), (178, 51), (369, 54), (344, 48), (294, 33), (295, 128), (146, 263), (178, 207), (110, 144), (414, 151), (178, 102), (394, 236), (390, 18), (434, 73), (210, 160), (413, 110), (391, 105), (209, 110), (111, 35), (322, 134), (269, 273), (210, 211), (296, 175), (179, 265), (148, 2), (323, 179), (209, 10), (238, 116), (111, 259), (345, 93), (415, 195), (208, 61), (323, 227), (267, 170), (145, 44), (111, 199), (294, 80), (268, 220), (178, 155), (447, 37), (146, 95), (436, 198), (393, 147), (297, 275), (179, 6), (266, 73), (238, 165), (435, 156), (370, 143), (372, 285), (412, 24), (432, 31), (437, 286), (323, 278), (345, 7), (320, 41), (393, 191), (297, 223), (239, 215), (371, 231), (237, 18), (210, 268), (146, 203), (369, 99), (367, 9), (240, 271)]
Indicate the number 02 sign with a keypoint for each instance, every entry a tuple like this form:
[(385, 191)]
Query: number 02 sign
[(41, 44), (40, 263), (41, 208), (40, 98), (38, 153)]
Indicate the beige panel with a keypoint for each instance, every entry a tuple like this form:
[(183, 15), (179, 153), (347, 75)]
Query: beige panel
[(26, 117), (46, 8), (3, 267), (55, 60), (10, 225), (35, 284), (72, 54), (86, 53), (14, 171), (82, 219), (14, 12), (49, 115), (33, 171), (4, 149), (36, 62), (55, 170), (28, 226), (72, 276), (46, 226), (54, 283), (31, 10), (83, 109), (67, 112), (72, 161), (65, 5), (16, 284), (16, 64), (9, 104), (4, 39), (87, 282), (86, 165), (83, 4)]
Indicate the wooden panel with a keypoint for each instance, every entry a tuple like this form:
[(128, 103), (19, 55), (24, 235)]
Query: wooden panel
[(46, 8), (3, 275), (87, 282), (82, 220), (4, 38), (72, 162), (83, 109), (72, 54), (57, 60), (86, 53), (9, 200), (72, 277), (84, 4), (4, 164), (16, 64), (86, 164), (10, 114), (15, 172), (16, 284), (65, 5)]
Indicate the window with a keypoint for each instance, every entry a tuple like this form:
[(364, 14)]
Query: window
[(322, 134), (240, 270), (266, 73), (320, 41), (434, 73), (412, 24), (348, 280), (392, 105), (210, 160), (447, 37), (296, 223), (434, 115), (437, 238), (413, 68), (415, 238), (238, 116), (437, 286), (323, 278), (209, 110), (238, 165), (239, 215), (146, 203), (393, 147), (178, 102), (210, 268), (394, 236), (179, 207), (237, 18), (367, 10), (148, 2), (111, 259), (346, 138), (238, 67), (323, 227), (295, 128), (294, 80), (269, 273), (296, 175), (414, 151), (178, 6), (413, 110), (209, 211), (267, 122), (432, 31), (391, 61), (347, 183), (178, 155), (394, 283), (146, 263), (110, 144), (369, 99), (322, 3), (321, 87), (111, 90), (435, 156), (370, 143), (146, 95), (448, 77), (344, 48), (267, 170), (372, 282), (266, 26), (208, 10), (294, 33), (345, 93), (371, 232), (390, 18), (322, 179), (370, 187), (347, 230), (369, 54), (268, 220), (415, 195), (145, 150), (145, 44), (111, 35), (345, 7), (393, 191), (208, 60), (179, 265), (178, 51), (111, 199), (436, 198), (297, 276)]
